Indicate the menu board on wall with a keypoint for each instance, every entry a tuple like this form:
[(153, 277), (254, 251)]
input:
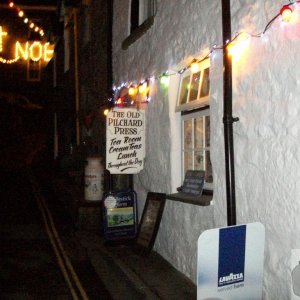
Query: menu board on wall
[(125, 140)]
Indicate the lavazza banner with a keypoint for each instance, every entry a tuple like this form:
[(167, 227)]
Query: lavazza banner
[(230, 263), (125, 140)]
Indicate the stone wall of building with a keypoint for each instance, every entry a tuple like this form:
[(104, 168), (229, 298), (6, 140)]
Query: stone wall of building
[(266, 139)]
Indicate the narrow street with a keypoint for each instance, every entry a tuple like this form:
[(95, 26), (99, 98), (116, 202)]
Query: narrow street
[(40, 258)]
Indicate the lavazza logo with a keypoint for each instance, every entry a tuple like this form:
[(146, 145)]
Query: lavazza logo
[(231, 278), (232, 245)]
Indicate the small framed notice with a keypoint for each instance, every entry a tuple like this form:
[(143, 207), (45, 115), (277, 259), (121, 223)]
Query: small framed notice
[(150, 222), (193, 182)]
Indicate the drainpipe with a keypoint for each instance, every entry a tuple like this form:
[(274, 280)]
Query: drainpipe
[(76, 75), (228, 119)]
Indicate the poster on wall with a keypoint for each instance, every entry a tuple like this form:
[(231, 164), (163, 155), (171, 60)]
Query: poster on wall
[(120, 215), (125, 141), (230, 263)]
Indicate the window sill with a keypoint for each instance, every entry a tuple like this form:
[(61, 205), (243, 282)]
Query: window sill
[(204, 200), (137, 33)]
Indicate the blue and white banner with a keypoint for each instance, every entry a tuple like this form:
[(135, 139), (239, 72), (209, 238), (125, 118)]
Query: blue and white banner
[(230, 263)]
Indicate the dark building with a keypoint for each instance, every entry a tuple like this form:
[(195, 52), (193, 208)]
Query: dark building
[(68, 92)]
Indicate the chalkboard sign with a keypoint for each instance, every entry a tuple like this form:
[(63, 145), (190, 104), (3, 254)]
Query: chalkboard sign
[(193, 182), (150, 221)]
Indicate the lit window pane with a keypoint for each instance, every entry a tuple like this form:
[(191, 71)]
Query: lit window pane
[(187, 134), (199, 159), (205, 84), (184, 90), (208, 168), (198, 125), (194, 86), (188, 161)]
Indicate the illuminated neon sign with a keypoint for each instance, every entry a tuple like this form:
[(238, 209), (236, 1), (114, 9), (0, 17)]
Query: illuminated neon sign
[(30, 50)]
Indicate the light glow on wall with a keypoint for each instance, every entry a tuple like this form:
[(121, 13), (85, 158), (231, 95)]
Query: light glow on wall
[(238, 47)]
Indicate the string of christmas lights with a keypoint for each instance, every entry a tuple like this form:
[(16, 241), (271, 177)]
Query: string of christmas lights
[(26, 20), (32, 26), (9, 61), (234, 47)]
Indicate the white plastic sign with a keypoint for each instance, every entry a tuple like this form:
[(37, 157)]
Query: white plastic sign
[(230, 263)]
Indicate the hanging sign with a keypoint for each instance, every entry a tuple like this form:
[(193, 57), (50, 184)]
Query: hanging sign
[(230, 263), (125, 141)]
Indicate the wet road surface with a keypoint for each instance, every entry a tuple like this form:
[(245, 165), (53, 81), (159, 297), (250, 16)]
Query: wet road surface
[(29, 266)]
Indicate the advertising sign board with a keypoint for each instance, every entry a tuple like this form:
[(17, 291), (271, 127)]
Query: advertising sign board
[(125, 140), (120, 215), (230, 263)]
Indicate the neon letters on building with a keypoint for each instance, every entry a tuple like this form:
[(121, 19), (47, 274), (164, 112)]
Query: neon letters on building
[(35, 50)]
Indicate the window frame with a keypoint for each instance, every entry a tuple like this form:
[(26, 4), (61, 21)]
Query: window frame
[(140, 20), (192, 115), (199, 101), (33, 72)]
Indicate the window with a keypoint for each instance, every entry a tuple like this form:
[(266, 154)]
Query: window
[(196, 144), (33, 70), (194, 88), (141, 19), (193, 102), (141, 10)]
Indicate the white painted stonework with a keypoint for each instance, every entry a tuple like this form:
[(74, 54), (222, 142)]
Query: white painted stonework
[(266, 98)]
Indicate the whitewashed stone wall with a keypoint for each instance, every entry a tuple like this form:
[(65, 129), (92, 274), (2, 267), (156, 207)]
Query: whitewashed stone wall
[(266, 98)]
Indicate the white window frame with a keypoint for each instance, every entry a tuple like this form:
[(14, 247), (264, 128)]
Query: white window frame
[(146, 10), (192, 109), (192, 116), (199, 101)]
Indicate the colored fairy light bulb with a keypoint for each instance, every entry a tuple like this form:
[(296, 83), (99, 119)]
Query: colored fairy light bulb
[(165, 80), (21, 13), (132, 91), (286, 13), (143, 89), (26, 20), (11, 4), (31, 25), (195, 67), (106, 111)]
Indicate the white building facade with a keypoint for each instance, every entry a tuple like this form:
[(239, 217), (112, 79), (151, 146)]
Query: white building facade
[(266, 94)]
